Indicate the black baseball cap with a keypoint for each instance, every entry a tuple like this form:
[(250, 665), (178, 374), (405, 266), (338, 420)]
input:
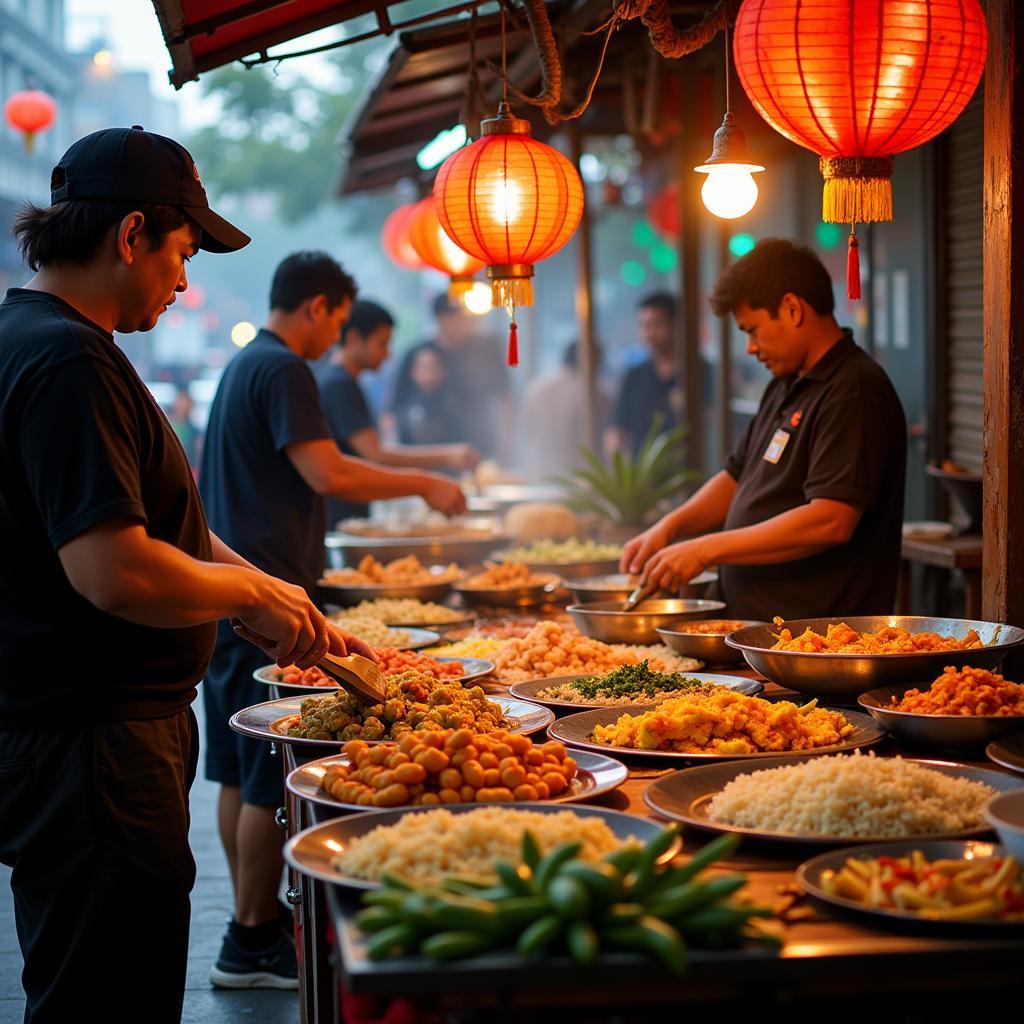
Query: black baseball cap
[(141, 167)]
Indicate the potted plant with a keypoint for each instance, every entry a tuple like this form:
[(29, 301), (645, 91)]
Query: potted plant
[(625, 495)]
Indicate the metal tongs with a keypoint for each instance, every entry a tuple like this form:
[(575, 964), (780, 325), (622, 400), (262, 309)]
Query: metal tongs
[(640, 593), (356, 674)]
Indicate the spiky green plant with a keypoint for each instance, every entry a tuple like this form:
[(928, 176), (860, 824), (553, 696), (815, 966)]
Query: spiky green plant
[(626, 492)]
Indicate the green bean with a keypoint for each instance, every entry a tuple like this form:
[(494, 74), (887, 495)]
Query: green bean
[(582, 941), (539, 936), (399, 938), (549, 865), (718, 848), (453, 945), (569, 897)]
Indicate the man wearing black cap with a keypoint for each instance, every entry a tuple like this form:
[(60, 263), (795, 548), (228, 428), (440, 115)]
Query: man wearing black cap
[(106, 559)]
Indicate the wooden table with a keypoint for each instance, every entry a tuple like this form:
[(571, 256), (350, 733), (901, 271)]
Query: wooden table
[(963, 553), (829, 962)]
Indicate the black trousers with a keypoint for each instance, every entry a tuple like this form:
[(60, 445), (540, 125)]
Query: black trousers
[(94, 823)]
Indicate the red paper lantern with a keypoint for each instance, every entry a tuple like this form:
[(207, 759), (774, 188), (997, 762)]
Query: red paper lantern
[(511, 201), (395, 241), (663, 210), (437, 250), (856, 82), (30, 111)]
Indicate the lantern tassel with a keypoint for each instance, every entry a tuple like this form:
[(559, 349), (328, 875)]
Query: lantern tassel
[(513, 344), (856, 200), (509, 292), (853, 267)]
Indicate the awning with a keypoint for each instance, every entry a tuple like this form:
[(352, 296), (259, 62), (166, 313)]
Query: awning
[(205, 34)]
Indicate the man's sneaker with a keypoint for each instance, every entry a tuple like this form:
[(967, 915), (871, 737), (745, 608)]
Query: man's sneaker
[(273, 967)]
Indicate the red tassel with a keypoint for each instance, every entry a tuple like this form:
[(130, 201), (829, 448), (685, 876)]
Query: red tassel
[(853, 268), (513, 344)]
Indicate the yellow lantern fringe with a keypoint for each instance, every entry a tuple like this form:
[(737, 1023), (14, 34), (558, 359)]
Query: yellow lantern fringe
[(458, 286), (512, 292), (856, 200)]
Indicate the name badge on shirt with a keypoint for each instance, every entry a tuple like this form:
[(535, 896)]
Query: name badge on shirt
[(776, 447)]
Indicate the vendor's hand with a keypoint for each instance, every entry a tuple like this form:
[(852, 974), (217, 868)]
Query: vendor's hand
[(286, 624), (674, 566), (343, 643), (637, 551), (464, 456), (444, 495)]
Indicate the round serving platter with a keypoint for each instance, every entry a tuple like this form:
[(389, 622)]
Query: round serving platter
[(271, 721), (475, 668), (596, 774), (685, 795), (575, 731), (313, 851), (417, 636), (809, 876), (1008, 752), (348, 594), (530, 689)]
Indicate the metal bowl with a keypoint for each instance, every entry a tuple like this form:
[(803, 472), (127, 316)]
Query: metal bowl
[(521, 595), (618, 586), (569, 570), (936, 730), (353, 593), (710, 648), (605, 620), (470, 548), (846, 676)]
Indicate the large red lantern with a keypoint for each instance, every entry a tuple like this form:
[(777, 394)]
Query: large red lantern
[(394, 239), (437, 250), (856, 82), (30, 111), (511, 201)]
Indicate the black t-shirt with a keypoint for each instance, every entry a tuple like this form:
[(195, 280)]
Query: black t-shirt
[(642, 396), (256, 500), (837, 432), (347, 412), (81, 442)]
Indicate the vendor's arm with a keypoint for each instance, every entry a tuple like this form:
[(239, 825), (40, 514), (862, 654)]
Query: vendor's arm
[(798, 533), (368, 445), (118, 568), (226, 555), (331, 474), (704, 511)]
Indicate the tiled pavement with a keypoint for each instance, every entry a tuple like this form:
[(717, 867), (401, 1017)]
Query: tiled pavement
[(211, 905)]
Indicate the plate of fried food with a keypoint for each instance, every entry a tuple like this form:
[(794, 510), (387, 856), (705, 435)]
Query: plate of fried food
[(841, 659), (376, 634), (833, 800), (963, 707), (939, 883), (508, 585), (456, 766), (415, 702), (403, 578), (628, 686), (406, 612), (722, 724)]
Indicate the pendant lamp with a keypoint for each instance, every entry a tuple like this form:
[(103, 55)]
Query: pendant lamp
[(394, 239), (856, 82)]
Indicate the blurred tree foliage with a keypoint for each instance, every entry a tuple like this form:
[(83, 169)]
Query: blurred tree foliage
[(279, 134)]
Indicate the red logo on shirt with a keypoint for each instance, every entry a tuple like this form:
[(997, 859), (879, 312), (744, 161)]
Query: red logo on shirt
[(794, 420)]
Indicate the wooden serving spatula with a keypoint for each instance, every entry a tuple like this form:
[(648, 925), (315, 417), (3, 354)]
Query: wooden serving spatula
[(356, 674)]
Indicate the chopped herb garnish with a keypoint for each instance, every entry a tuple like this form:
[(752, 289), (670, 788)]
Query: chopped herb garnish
[(633, 680)]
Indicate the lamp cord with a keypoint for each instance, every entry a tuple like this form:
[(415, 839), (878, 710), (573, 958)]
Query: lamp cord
[(728, 105), (504, 75)]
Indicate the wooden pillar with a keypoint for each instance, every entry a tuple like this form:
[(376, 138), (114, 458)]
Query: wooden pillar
[(1003, 554), (687, 324), (587, 345)]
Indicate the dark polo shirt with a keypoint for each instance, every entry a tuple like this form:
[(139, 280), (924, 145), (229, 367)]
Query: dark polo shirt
[(839, 432)]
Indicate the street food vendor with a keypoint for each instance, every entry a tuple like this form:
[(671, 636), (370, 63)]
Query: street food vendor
[(268, 462), (806, 517), (364, 345), (110, 584)]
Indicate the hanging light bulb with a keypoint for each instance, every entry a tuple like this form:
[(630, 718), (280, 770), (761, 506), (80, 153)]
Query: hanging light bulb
[(478, 299), (730, 190)]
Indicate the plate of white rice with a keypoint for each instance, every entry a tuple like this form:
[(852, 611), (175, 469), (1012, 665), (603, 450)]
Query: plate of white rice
[(426, 844), (832, 800)]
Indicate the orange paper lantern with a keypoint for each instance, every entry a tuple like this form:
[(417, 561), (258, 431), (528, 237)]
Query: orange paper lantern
[(437, 250), (394, 239), (30, 111), (856, 82), (511, 201)]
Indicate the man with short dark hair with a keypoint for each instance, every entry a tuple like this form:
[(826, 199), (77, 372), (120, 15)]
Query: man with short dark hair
[(268, 462), (653, 388), (106, 559), (810, 503), (364, 346)]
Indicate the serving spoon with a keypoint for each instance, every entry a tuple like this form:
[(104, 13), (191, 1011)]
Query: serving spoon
[(357, 675)]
